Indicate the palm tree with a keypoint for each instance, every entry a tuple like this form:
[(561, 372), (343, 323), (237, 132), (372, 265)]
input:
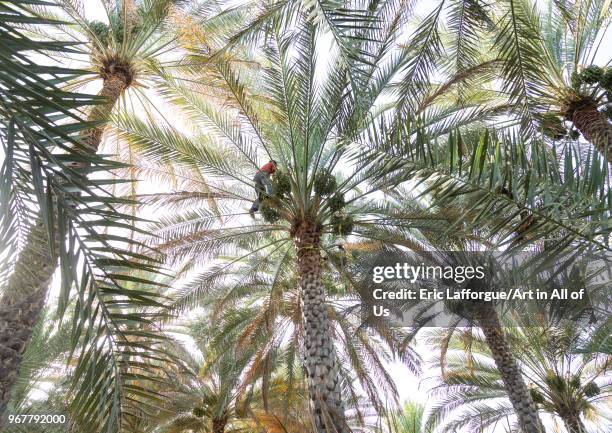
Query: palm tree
[(313, 130), (455, 58), (455, 185), (254, 298), (563, 383), (29, 103), (409, 419), (450, 170), (536, 62), (119, 56), (547, 54), (510, 373), (209, 393)]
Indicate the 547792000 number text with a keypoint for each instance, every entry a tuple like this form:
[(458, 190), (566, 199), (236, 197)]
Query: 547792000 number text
[(36, 419)]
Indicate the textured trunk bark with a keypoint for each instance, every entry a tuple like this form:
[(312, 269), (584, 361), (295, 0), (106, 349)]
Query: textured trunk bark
[(592, 124), (525, 408), (20, 307), (26, 291), (116, 81), (573, 423), (218, 425), (319, 353)]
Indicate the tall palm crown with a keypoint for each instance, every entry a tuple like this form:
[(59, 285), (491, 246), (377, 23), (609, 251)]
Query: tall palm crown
[(313, 127), (547, 54), (125, 53), (118, 54), (130, 43), (539, 63)]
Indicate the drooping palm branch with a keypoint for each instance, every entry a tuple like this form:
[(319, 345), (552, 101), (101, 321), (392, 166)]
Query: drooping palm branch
[(45, 179)]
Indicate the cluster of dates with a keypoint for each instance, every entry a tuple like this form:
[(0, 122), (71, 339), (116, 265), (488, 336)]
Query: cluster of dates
[(325, 185), (103, 34)]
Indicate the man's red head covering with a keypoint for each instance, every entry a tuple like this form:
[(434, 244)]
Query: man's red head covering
[(269, 168)]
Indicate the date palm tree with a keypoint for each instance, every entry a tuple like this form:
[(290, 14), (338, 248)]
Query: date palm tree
[(473, 192), (548, 53), (29, 100), (542, 64), (45, 180), (315, 130), (209, 393), (563, 383), (118, 54)]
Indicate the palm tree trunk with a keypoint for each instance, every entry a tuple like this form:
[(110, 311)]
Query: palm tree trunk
[(20, 306), (525, 408), (218, 424), (25, 294), (592, 124), (573, 423), (319, 353)]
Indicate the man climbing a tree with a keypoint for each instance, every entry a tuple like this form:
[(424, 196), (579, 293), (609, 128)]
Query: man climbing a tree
[(263, 185)]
